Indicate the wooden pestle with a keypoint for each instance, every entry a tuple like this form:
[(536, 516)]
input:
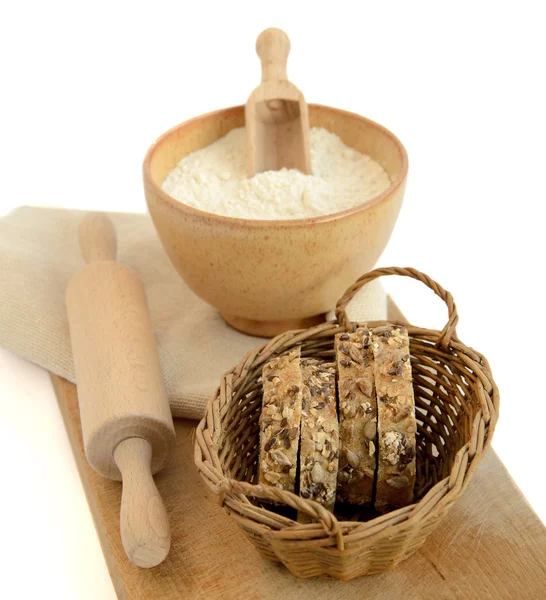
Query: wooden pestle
[(127, 427), (276, 115)]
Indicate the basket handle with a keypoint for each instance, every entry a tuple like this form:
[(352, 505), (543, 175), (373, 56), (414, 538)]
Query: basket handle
[(272, 493), (447, 333)]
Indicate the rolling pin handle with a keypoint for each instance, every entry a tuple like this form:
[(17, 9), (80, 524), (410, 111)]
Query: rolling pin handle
[(97, 237), (144, 525)]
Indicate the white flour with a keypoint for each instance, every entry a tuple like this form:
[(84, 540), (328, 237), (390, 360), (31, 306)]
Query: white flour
[(215, 180)]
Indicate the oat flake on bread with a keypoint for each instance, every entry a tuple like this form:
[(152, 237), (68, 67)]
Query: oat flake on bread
[(214, 179)]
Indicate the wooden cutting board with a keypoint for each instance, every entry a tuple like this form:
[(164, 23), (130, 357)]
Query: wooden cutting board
[(492, 545)]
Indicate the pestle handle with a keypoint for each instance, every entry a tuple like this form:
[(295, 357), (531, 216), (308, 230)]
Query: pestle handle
[(273, 48), (97, 238), (144, 525)]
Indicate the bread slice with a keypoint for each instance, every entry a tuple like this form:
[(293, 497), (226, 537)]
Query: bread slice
[(280, 421), (396, 418), (319, 445), (357, 417)]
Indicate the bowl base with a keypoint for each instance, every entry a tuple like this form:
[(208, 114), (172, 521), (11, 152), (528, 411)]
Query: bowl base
[(271, 328)]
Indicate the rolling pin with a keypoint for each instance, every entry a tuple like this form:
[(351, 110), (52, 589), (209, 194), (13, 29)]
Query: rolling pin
[(127, 428)]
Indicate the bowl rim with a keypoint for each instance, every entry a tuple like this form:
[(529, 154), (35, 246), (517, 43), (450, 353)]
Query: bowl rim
[(275, 223)]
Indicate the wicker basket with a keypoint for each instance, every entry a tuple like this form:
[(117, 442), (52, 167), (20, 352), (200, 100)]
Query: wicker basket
[(457, 406)]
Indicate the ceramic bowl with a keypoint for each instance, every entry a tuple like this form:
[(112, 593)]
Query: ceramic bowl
[(268, 276)]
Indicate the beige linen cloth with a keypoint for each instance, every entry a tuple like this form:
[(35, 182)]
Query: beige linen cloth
[(39, 253)]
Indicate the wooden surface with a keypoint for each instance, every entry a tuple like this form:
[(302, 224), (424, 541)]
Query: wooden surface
[(126, 420), (491, 546), (276, 114)]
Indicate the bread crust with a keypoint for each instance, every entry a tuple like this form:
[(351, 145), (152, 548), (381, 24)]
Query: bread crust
[(396, 418), (357, 417), (280, 421), (319, 441)]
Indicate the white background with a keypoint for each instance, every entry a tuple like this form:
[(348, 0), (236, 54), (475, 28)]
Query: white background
[(85, 89)]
